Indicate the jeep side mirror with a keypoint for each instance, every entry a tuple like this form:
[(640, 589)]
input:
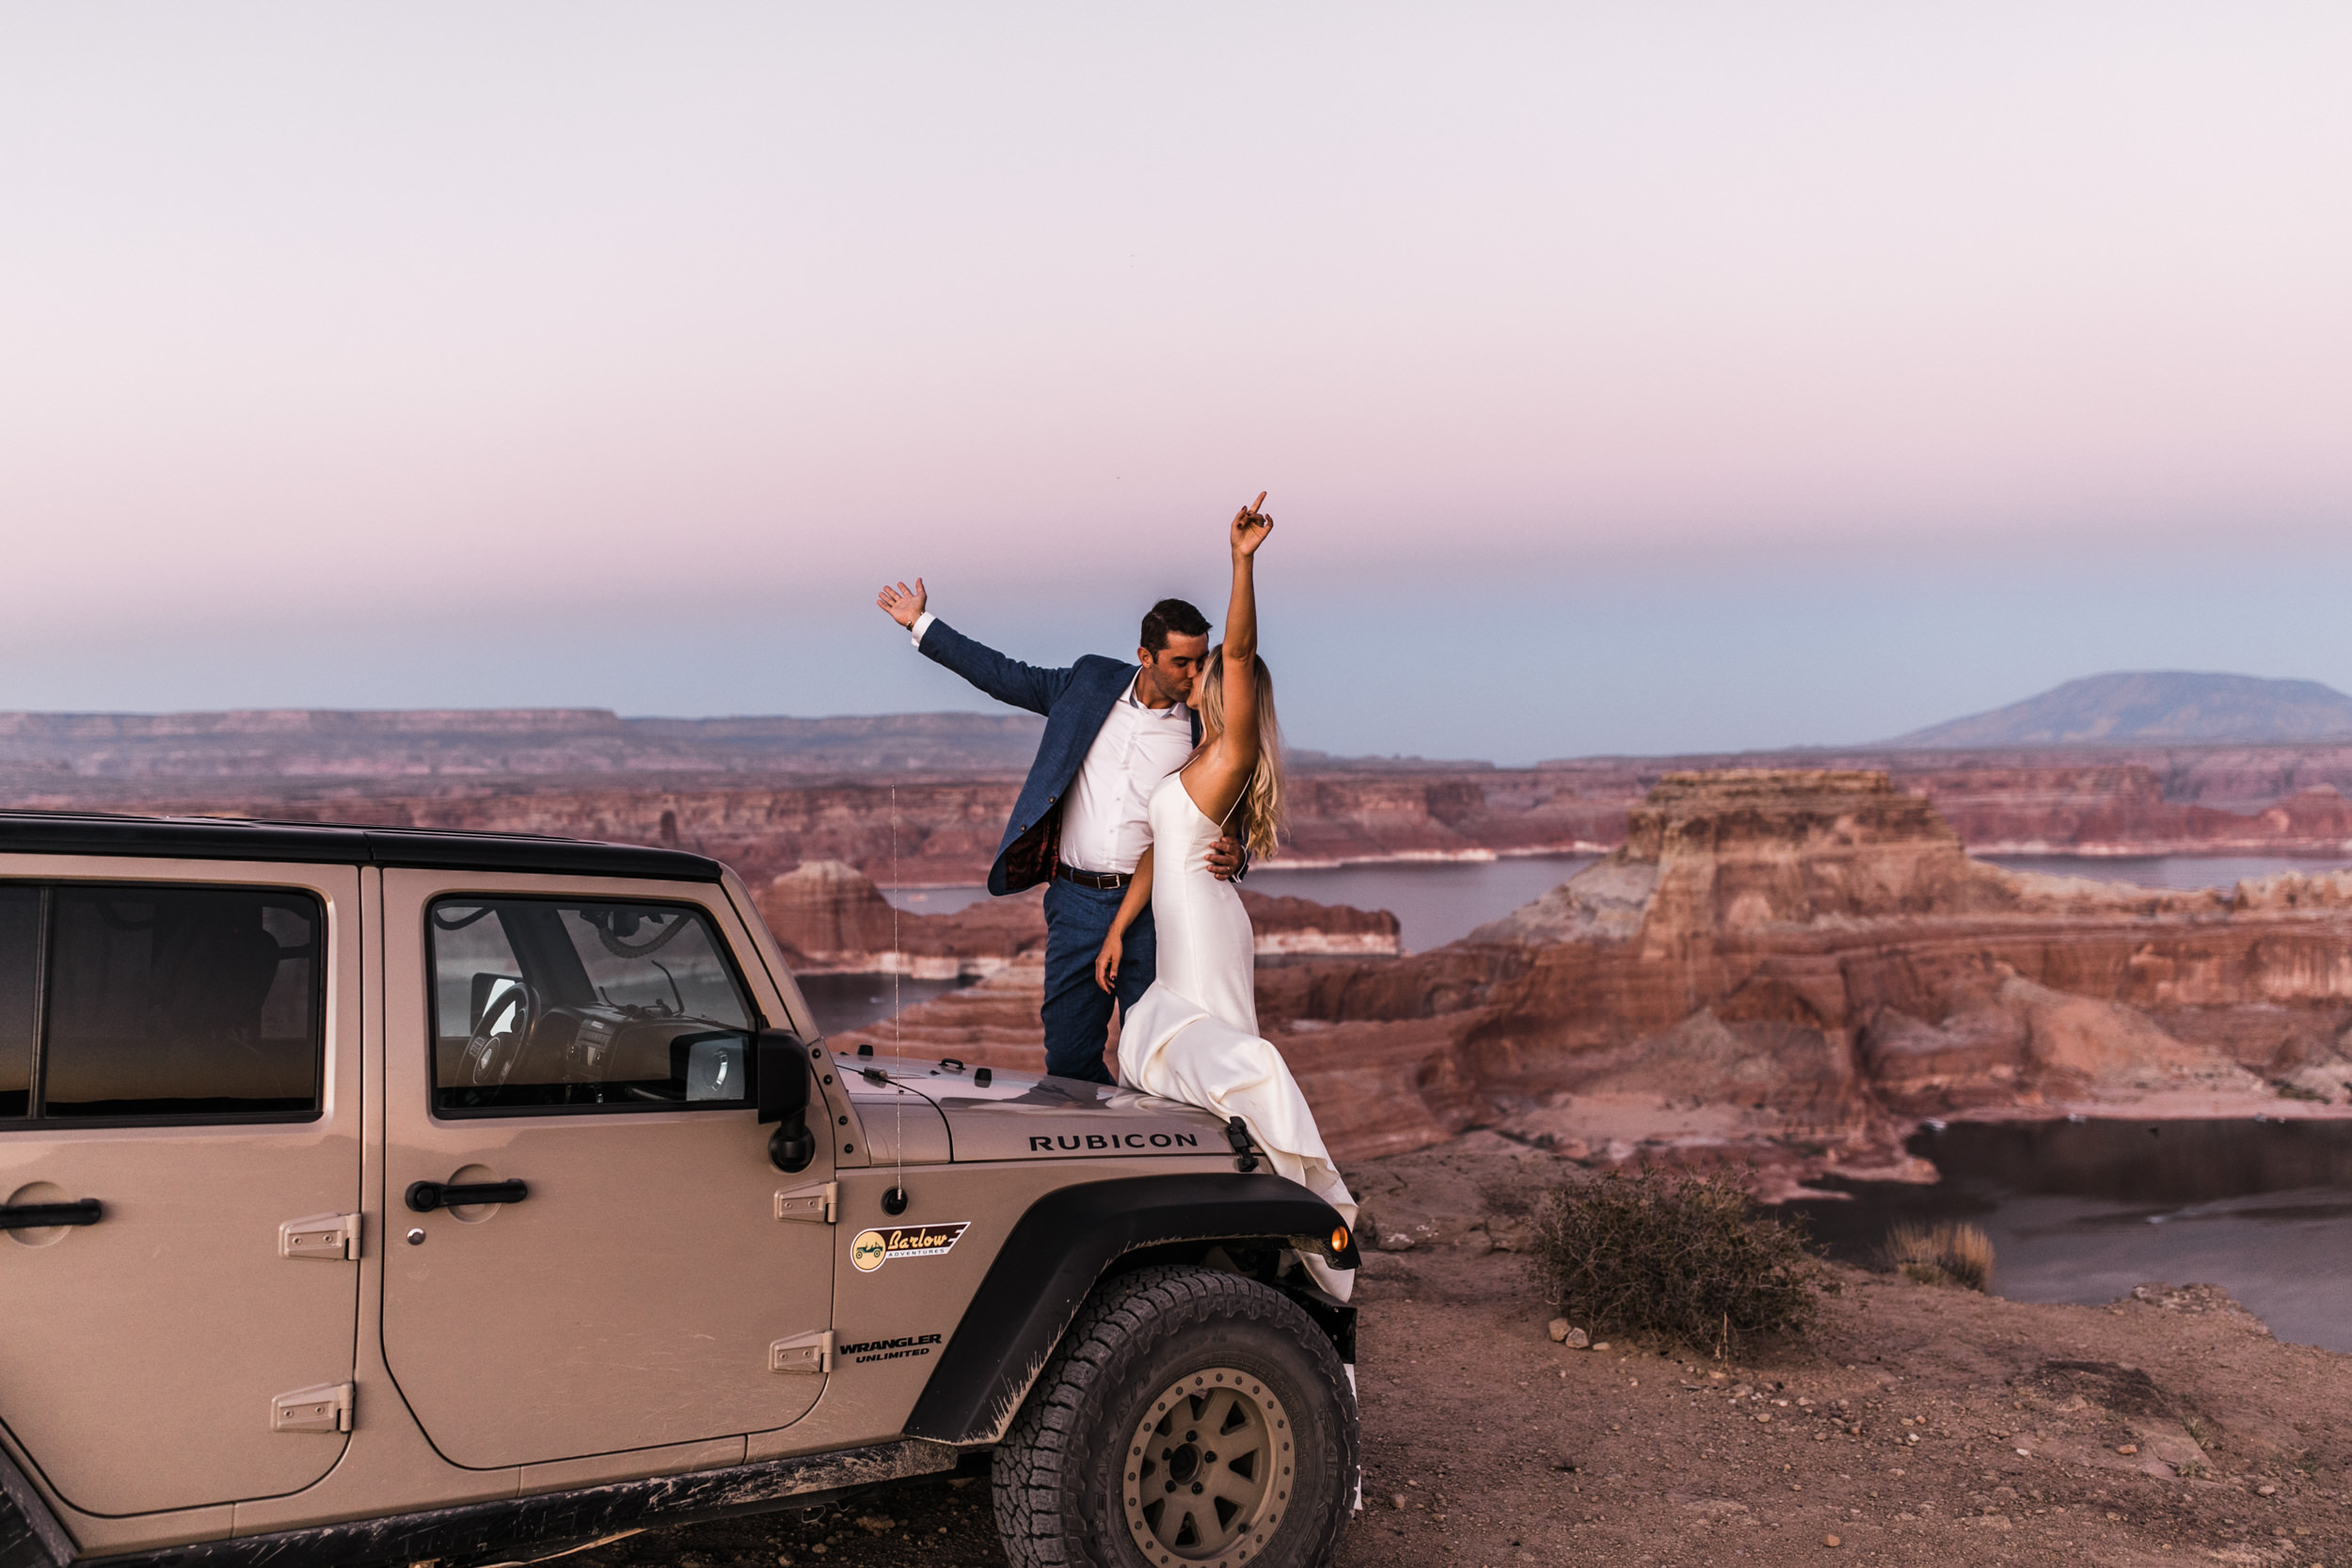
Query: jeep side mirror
[(783, 1098)]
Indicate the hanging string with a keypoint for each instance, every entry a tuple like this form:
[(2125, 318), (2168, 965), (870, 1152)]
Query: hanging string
[(898, 959), (897, 967)]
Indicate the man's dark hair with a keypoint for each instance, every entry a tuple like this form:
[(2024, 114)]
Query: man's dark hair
[(1171, 616)]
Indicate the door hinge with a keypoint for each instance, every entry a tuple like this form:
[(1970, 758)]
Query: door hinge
[(803, 1352), (821, 1204), (330, 1236), (326, 1408)]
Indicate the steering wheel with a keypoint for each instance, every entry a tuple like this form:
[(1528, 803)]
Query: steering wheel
[(492, 1053)]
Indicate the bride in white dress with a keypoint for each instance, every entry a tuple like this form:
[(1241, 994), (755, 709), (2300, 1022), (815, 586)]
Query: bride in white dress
[(1193, 1036)]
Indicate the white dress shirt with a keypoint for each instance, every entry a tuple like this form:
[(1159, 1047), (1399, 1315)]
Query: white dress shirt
[(1103, 825)]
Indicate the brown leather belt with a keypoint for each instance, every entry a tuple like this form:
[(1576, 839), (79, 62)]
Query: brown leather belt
[(1103, 881)]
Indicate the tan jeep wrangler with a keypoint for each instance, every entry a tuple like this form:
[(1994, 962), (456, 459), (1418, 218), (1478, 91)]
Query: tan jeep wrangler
[(385, 1196)]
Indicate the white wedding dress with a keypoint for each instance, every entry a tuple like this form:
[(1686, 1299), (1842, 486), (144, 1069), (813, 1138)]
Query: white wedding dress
[(1193, 1036)]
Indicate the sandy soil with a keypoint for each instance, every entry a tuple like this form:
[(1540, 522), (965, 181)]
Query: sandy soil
[(1924, 1424)]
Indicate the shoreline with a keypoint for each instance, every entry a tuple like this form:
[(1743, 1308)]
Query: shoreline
[(2335, 853), (1794, 1183), (1580, 850), (2189, 850), (2205, 1107), (1618, 1131)]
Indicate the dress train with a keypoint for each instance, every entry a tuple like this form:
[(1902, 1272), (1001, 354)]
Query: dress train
[(1192, 1035)]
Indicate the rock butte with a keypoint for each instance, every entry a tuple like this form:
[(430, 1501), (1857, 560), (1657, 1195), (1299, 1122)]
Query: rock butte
[(1793, 967)]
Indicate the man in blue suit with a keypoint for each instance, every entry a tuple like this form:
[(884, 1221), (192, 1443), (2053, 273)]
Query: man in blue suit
[(1113, 732)]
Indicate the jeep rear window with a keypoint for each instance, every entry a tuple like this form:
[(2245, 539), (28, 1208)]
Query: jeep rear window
[(568, 1005), (138, 1002), (20, 995)]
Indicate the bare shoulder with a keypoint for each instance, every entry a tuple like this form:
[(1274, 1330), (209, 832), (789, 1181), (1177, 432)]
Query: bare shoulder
[(1213, 780)]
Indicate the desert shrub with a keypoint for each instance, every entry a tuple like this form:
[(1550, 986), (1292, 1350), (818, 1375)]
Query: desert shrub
[(1683, 1257), (1945, 1254)]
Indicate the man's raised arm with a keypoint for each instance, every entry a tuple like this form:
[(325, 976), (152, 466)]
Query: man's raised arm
[(1008, 680)]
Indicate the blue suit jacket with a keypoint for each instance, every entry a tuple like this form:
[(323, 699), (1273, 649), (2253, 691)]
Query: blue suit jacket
[(1074, 702)]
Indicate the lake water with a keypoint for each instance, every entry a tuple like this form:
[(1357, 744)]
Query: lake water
[(2181, 873), (2082, 1211), (1440, 901), (1435, 902), (853, 1001)]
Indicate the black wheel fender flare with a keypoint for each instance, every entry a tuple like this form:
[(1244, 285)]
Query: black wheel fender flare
[(1063, 1244)]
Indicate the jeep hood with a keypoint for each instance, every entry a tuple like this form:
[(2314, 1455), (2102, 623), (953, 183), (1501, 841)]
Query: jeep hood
[(1030, 1115)]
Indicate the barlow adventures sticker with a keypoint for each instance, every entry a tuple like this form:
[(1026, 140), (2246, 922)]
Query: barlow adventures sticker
[(871, 1249)]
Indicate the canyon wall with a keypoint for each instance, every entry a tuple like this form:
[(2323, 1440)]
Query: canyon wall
[(912, 831), (1775, 960), (919, 829), (1795, 967), (2108, 800)]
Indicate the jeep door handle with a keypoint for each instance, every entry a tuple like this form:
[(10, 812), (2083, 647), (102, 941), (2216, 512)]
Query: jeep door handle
[(40, 1217), (426, 1196)]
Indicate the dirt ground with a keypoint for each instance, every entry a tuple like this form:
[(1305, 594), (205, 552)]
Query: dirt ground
[(1923, 1424)]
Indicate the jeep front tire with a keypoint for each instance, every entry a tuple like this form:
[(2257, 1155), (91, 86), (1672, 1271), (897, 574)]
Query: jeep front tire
[(1192, 1419)]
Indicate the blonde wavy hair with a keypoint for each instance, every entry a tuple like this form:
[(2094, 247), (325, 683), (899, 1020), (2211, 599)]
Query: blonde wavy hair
[(1261, 804)]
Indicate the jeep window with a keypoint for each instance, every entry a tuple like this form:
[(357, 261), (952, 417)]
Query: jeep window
[(189, 1003), (20, 991), (561, 1004)]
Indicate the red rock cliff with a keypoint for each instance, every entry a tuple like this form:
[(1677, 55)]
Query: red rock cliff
[(927, 828)]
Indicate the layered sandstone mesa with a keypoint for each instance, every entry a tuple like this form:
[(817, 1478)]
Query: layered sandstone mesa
[(1809, 960), (1753, 848), (826, 909), (832, 919), (1300, 927), (992, 1023)]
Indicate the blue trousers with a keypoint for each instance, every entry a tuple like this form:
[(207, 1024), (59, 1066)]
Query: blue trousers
[(1078, 1012)]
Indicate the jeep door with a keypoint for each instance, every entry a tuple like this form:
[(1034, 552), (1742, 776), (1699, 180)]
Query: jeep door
[(589, 1040), (180, 1072)]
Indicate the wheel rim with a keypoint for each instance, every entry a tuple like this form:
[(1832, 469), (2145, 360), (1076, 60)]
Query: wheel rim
[(1208, 1470)]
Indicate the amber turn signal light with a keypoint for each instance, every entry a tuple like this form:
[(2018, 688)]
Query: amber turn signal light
[(1338, 1237)]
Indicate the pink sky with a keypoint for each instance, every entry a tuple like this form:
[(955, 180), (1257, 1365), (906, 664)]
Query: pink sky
[(351, 316)]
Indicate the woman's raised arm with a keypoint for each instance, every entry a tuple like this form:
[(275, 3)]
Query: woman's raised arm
[(1223, 771)]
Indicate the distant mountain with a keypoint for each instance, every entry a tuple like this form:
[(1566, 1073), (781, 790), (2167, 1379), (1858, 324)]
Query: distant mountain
[(2154, 706)]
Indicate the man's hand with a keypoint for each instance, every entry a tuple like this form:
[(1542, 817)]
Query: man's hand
[(1251, 527), (1224, 859), (1106, 964), (904, 605)]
